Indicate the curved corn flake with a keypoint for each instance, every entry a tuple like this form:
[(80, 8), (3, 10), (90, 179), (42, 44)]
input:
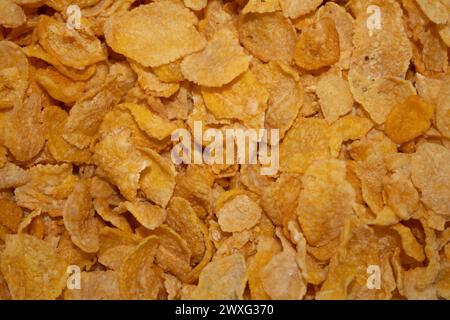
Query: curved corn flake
[(138, 35), (318, 45), (182, 218), (195, 4), (173, 254), (14, 75), (23, 131), (114, 257), (374, 143), (10, 214), (32, 269), (294, 9), (85, 118), (380, 52), (409, 120), (104, 211), (344, 26), (380, 96), (170, 72), (443, 110), (325, 202), (12, 176), (261, 6), (48, 188), (430, 173), (55, 119), (267, 248), (222, 279), (117, 155), (195, 185), (304, 143), (149, 122), (70, 47), (244, 99), (433, 57), (347, 128), (411, 246), (72, 254), (79, 219), (149, 215), (96, 285), (443, 282), (138, 276), (286, 95), (268, 36), (151, 84), (222, 60), (282, 278), (11, 15), (347, 274), (158, 181), (113, 237), (238, 214), (334, 96), (36, 51), (437, 11), (58, 86), (280, 199)]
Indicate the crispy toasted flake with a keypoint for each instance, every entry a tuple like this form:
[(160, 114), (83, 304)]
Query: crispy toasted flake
[(304, 143), (32, 269), (11, 15), (223, 279), (155, 34), (268, 36), (219, 63)]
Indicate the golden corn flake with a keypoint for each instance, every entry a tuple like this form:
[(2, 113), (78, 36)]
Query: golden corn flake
[(12, 176), (58, 86), (158, 181), (380, 96), (219, 63), (318, 45), (261, 6), (436, 10), (138, 34), (243, 99), (430, 174), (149, 122), (107, 214), (282, 278), (304, 143), (147, 214), (170, 72), (85, 118), (344, 26), (443, 110), (409, 120), (195, 4), (32, 269), (139, 278), (294, 9), (286, 94), (238, 214), (222, 279), (79, 219), (382, 49), (151, 84), (48, 188), (115, 256), (268, 36), (325, 201), (11, 15), (23, 131), (55, 119), (71, 48), (334, 96)]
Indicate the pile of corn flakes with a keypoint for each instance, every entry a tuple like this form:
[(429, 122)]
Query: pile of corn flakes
[(91, 91)]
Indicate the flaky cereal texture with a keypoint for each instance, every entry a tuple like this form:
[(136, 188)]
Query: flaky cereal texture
[(93, 205)]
